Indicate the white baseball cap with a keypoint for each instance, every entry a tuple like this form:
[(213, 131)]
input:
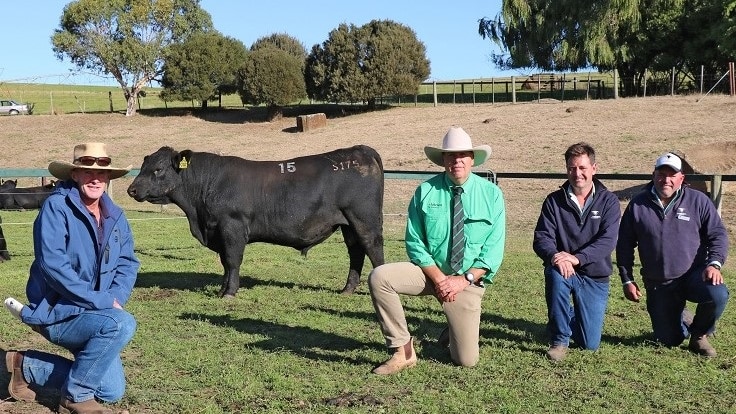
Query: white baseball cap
[(669, 160)]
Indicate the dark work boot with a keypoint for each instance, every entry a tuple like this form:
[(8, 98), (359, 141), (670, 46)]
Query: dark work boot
[(67, 406)]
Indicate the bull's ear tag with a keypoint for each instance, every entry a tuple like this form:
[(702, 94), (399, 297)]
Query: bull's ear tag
[(183, 163)]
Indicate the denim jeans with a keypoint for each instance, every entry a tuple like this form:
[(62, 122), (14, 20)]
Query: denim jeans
[(95, 338), (665, 303), (581, 319)]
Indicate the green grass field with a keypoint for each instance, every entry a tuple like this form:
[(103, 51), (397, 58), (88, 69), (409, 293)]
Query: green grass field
[(65, 99), (290, 343)]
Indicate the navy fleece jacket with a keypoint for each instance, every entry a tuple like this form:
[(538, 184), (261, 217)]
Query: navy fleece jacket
[(591, 236)]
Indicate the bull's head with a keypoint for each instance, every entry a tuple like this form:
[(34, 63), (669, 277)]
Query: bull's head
[(159, 176)]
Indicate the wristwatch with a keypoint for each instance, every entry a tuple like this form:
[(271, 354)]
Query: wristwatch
[(469, 277), (716, 265)]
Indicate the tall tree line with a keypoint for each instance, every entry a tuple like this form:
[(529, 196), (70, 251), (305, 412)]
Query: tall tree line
[(173, 42)]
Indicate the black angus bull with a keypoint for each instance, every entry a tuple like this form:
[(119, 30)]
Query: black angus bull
[(231, 202), (14, 198)]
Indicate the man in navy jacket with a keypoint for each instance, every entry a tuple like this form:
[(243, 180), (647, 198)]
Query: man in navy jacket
[(575, 236), (682, 245)]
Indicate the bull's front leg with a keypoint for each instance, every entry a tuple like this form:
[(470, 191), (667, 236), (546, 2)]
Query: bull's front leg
[(231, 259)]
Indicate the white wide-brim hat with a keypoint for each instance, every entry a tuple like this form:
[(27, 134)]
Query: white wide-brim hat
[(457, 140), (63, 170)]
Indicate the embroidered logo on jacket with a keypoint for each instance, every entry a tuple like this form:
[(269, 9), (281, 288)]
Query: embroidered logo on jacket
[(681, 214)]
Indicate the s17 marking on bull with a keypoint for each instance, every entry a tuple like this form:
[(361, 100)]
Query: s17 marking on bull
[(231, 202), (345, 165)]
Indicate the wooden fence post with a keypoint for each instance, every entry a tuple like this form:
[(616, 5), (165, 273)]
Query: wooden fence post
[(493, 91), (716, 191), (513, 89), (645, 83), (672, 83), (615, 84), (474, 92)]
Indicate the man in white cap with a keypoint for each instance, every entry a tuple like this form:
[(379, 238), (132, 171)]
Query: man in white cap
[(82, 275), (455, 235), (682, 245)]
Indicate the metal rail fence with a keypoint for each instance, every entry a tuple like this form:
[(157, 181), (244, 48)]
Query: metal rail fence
[(715, 181)]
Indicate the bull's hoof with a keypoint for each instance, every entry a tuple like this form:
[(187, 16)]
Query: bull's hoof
[(348, 290), (225, 294)]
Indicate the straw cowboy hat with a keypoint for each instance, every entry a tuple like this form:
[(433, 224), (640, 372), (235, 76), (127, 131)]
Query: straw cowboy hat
[(88, 156), (457, 140)]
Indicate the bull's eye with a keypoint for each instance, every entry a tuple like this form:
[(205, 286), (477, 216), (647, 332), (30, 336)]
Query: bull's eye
[(157, 171)]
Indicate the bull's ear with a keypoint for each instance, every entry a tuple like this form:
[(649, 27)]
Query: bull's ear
[(181, 160)]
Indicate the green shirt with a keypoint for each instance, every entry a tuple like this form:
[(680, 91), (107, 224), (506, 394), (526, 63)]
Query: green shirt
[(428, 225)]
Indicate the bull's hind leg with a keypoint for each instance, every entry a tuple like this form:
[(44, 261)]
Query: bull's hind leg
[(357, 257), (370, 237)]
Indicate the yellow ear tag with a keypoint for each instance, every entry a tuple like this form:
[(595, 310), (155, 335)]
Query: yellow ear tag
[(183, 164)]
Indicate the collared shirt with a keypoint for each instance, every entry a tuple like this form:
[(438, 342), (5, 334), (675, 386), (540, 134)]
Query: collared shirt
[(428, 228), (588, 200), (674, 199)]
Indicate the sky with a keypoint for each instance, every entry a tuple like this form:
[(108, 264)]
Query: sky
[(449, 31)]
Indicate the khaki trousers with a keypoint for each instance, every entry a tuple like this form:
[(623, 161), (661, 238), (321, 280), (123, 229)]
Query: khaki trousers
[(387, 281)]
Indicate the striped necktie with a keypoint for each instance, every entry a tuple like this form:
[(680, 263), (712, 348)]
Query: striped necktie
[(457, 243)]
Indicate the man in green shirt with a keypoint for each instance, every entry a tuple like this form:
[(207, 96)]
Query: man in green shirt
[(455, 236)]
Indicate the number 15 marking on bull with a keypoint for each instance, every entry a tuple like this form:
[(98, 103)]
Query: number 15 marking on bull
[(288, 167)]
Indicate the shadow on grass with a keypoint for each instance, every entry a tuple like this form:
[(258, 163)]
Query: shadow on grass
[(197, 282), (260, 113), (186, 281), (284, 337)]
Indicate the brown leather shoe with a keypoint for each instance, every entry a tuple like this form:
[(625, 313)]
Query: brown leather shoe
[(18, 387), (85, 407), (557, 353), (404, 357), (701, 346)]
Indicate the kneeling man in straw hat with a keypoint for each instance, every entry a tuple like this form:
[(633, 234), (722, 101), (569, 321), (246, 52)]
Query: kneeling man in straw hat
[(81, 278)]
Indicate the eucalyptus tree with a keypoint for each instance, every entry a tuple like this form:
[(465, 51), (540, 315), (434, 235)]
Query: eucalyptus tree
[(126, 39), (202, 68)]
